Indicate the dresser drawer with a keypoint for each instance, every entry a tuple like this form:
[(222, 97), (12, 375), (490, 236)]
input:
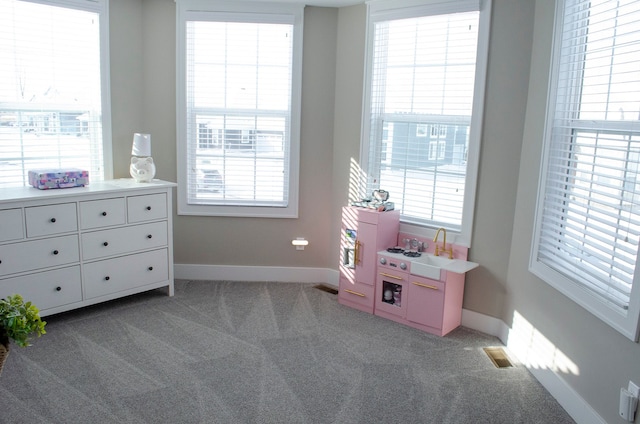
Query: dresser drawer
[(102, 213), (47, 289), (124, 273), (38, 254), (11, 224), (100, 244), (51, 219), (147, 207)]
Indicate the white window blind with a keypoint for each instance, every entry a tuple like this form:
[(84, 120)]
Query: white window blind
[(420, 125), (51, 103), (588, 222), (241, 115)]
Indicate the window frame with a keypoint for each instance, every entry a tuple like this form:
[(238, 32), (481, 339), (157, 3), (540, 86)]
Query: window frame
[(379, 10), (101, 8), (628, 325), (190, 8)]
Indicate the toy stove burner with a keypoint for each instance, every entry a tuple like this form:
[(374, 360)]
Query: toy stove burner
[(395, 250), (412, 254)]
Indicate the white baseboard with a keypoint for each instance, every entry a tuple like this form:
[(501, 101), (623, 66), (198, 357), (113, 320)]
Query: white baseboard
[(485, 323), (568, 398), (256, 273)]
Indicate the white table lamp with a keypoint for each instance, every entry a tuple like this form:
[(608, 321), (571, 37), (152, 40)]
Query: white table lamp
[(142, 168)]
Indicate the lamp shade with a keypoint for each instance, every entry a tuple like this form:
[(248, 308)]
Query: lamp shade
[(141, 145)]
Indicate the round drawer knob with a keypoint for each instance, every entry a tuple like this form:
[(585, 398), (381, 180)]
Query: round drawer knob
[(55, 252), (148, 208), (150, 268), (53, 220), (107, 278), (58, 288), (104, 214), (149, 236), (105, 244)]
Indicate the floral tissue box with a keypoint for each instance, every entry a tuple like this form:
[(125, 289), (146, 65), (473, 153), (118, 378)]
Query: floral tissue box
[(58, 178)]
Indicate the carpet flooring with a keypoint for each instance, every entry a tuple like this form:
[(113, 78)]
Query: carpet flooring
[(243, 352)]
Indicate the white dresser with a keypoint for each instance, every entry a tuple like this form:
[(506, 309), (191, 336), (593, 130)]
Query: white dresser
[(66, 248)]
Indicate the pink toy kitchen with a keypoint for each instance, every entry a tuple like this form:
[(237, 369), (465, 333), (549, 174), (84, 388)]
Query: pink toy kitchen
[(411, 280)]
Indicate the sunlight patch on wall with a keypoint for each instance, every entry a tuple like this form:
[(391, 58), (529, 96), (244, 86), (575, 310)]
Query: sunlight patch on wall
[(534, 350), (357, 181)]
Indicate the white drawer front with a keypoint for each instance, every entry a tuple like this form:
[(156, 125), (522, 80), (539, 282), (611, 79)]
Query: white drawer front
[(11, 224), (100, 244), (47, 289), (118, 274), (38, 254), (147, 207), (102, 213), (52, 219)]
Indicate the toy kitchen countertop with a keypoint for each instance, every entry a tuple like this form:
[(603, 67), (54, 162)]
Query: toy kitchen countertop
[(412, 263)]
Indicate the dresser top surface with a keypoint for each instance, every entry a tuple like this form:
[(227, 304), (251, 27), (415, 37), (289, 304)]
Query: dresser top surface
[(109, 186)]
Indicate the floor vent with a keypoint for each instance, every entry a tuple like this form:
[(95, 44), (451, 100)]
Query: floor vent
[(498, 357), (326, 288)]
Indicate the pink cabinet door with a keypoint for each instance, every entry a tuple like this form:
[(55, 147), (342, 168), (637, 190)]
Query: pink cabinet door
[(357, 294), (366, 254), (425, 301)]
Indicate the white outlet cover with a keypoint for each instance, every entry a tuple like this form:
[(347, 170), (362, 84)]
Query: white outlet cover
[(634, 389), (628, 405)]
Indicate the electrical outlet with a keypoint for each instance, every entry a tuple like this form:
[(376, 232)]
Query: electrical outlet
[(628, 405), (629, 402), (299, 243), (634, 389)]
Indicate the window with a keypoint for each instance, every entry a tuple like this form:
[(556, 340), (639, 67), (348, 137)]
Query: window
[(426, 66), (587, 223), (54, 105), (239, 74)]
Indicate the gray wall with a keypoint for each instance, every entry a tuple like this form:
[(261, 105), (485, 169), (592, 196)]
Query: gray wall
[(143, 99), (505, 103), (348, 107), (602, 360), (125, 39)]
